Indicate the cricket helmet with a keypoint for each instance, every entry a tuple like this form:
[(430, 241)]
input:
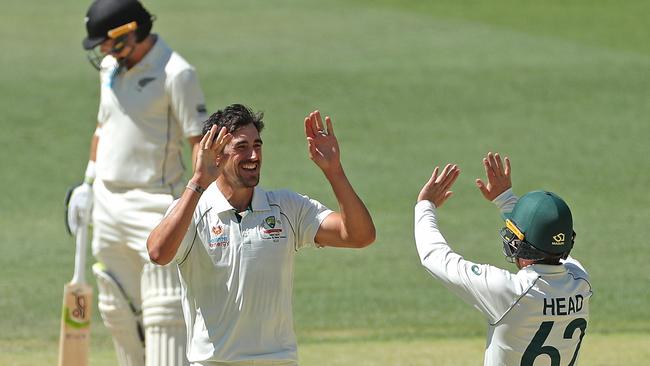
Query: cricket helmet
[(113, 18), (539, 226)]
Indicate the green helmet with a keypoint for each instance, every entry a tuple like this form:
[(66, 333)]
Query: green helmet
[(542, 220)]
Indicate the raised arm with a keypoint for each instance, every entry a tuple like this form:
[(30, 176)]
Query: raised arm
[(489, 289), (351, 226), (164, 240)]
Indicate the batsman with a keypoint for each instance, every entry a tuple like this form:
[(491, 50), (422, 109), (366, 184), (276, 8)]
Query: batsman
[(536, 316), (150, 104)]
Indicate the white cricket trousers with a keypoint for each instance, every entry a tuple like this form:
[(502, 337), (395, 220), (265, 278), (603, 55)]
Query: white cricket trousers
[(122, 221)]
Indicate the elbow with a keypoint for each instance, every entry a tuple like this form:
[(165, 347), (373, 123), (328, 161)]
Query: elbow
[(155, 254), (365, 239)]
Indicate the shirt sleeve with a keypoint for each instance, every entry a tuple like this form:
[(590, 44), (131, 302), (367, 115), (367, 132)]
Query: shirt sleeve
[(489, 289), (506, 202), (307, 215), (188, 102), (102, 113)]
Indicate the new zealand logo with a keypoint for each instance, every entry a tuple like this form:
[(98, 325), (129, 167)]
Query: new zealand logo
[(558, 239), (144, 81)]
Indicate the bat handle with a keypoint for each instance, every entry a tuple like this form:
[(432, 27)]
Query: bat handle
[(81, 241)]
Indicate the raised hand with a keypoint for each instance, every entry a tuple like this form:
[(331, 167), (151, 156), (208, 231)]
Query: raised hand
[(322, 144), (437, 187), (210, 153), (498, 176)]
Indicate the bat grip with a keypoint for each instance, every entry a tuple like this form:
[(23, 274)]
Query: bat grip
[(81, 241)]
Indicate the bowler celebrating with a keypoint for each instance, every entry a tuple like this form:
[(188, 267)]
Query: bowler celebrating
[(234, 242), (537, 316)]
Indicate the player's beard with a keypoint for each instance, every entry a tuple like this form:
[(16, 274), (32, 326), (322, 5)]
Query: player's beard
[(248, 178)]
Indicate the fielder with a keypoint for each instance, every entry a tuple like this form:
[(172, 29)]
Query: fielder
[(537, 316), (150, 102), (234, 242)]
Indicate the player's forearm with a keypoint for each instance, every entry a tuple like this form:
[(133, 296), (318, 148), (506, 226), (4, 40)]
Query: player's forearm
[(428, 238), (94, 141), (164, 240), (357, 228), (434, 252)]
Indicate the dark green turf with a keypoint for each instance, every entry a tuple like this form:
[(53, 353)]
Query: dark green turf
[(562, 88)]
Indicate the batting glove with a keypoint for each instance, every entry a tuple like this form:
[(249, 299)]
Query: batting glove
[(79, 202)]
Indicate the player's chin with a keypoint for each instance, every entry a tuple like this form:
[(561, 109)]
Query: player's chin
[(250, 179)]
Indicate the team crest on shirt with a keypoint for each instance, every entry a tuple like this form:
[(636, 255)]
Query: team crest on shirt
[(272, 229), (217, 238)]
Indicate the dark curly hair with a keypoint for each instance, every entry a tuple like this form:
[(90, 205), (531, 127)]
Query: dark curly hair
[(234, 117)]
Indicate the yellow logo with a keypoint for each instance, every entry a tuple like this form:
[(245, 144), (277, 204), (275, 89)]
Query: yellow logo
[(558, 239)]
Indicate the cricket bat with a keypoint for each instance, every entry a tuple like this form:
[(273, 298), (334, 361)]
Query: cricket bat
[(74, 340)]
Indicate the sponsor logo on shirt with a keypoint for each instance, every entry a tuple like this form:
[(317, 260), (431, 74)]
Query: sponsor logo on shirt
[(217, 230), (219, 240)]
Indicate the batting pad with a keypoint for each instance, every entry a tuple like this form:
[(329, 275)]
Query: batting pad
[(121, 318), (163, 316)]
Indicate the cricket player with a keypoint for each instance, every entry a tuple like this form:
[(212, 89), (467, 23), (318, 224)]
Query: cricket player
[(234, 242), (150, 103), (536, 316)]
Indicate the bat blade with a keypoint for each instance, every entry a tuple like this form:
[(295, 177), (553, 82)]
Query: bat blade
[(74, 340)]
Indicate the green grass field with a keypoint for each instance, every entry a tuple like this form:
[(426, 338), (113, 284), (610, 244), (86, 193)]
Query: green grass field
[(560, 87)]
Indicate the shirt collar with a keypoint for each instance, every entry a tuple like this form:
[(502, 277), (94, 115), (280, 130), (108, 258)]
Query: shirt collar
[(158, 51), (214, 198), (546, 269)]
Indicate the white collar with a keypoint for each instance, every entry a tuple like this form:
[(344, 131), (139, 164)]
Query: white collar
[(212, 197)]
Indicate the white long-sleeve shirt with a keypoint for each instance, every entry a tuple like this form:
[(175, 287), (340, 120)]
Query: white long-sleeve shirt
[(536, 316)]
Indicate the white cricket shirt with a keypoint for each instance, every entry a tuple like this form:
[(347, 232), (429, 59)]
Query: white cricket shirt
[(145, 113), (536, 315), (237, 277)]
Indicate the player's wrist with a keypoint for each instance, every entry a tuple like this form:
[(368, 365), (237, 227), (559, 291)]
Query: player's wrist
[(197, 185), (334, 172)]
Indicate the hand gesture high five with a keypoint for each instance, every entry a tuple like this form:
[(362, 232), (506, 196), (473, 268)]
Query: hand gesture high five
[(209, 154), (322, 144), (498, 176), (437, 187)]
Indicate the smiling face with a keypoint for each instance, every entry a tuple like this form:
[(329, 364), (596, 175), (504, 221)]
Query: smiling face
[(242, 158)]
